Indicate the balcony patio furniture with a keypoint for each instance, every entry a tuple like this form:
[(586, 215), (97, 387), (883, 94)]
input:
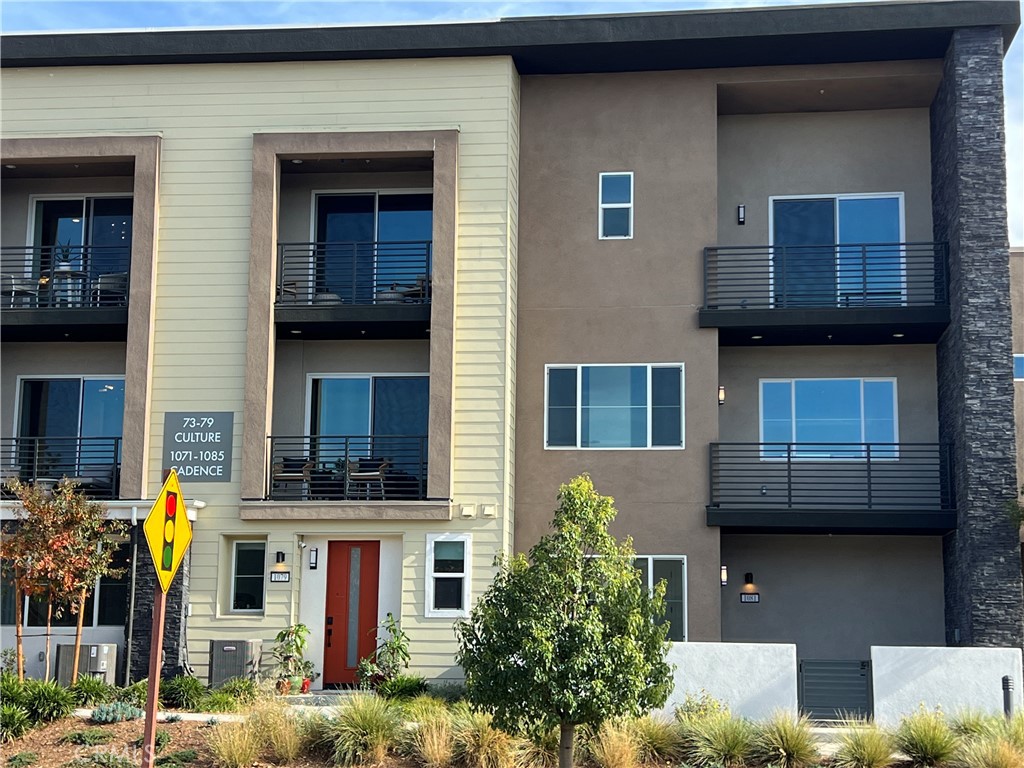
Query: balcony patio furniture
[(289, 470), (18, 288), (367, 472), (110, 290)]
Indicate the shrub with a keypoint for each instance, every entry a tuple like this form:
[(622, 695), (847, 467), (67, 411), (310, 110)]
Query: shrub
[(244, 690), (234, 745), (786, 741), (102, 760), (134, 694), (863, 745), (173, 719), (115, 712), (657, 739), (364, 730), (971, 723), (218, 701), (614, 746), (90, 737), (422, 707), (182, 692), (21, 760), (479, 744), (1013, 731), (402, 687), (278, 731), (541, 750), (721, 740), (700, 706), (316, 734), (14, 722), (89, 691), (990, 752), (429, 741), (160, 740), (449, 691), (177, 759), (12, 690), (927, 740), (46, 701)]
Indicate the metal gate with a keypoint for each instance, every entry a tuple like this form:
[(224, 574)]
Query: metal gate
[(834, 689)]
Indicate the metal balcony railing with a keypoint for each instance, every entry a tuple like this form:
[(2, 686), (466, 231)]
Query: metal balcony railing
[(840, 477), (94, 463), (825, 276), (64, 276), (354, 273), (347, 468)]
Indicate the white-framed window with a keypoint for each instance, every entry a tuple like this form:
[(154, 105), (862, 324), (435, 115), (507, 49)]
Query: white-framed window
[(829, 419), (615, 205), (612, 406), (672, 570), (448, 564), (248, 576), (1018, 367)]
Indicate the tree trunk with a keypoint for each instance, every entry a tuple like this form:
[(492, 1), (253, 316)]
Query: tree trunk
[(19, 618), (78, 636), (49, 629), (567, 732)]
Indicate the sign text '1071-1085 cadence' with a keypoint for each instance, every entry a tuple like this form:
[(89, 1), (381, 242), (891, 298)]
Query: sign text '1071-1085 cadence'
[(198, 445)]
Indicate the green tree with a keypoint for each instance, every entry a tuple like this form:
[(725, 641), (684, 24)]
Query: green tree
[(568, 636)]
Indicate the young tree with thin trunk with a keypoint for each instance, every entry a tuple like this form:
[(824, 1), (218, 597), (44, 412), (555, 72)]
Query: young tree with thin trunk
[(569, 636)]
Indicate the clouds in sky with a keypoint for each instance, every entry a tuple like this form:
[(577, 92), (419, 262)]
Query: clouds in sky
[(63, 15)]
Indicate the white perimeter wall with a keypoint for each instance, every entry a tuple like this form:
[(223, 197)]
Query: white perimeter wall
[(753, 679), (954, 679)]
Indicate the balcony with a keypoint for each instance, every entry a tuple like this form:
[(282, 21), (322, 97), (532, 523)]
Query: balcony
[(337, 290), (94, 463), (60, 292), (818, 294), (333, 468), (849, 487)]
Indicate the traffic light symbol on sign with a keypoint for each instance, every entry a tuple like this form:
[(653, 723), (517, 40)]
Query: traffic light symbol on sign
[(170, 509)]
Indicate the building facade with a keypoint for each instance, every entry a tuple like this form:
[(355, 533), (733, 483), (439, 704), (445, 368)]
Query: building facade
[(376, 292)]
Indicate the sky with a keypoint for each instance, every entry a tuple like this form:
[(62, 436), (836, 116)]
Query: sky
[(64, 15)]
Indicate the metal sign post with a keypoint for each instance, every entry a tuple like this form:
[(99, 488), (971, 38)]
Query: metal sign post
[(168, 533)]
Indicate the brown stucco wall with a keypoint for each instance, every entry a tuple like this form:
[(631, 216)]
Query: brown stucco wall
[(584, 300)]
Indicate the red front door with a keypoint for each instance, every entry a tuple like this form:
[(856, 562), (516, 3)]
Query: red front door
[(352, 573)]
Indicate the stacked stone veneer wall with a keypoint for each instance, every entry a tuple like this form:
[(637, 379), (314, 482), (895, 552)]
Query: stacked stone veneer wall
[(982, 558), (142, 618)]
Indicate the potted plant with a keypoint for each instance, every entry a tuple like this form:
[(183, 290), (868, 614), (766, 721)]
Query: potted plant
[(289, 651), (308, 675)]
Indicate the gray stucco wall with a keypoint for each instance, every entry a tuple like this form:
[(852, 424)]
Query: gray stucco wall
[(834, 596), (818, 154)]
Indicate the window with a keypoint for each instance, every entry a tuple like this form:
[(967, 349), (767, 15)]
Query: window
[(616, 206), (92, 235), (448, 575), (615, 406), (838, 250), (247, 579), (829, 418), (672, 570), (1018, 367)]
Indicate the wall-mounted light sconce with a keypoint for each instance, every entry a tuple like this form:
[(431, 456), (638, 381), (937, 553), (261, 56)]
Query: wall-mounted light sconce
[(314, 557), (721, 395), (279, 557), (741, 214), (748, 578), (725, 575)]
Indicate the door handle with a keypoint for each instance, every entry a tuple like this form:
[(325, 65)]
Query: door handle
[(329, 633)]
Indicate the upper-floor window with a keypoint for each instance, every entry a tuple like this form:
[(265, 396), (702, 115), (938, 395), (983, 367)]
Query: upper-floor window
[(838, 249), (614, 406), (1018, 367), (615, 198), (829, 418)]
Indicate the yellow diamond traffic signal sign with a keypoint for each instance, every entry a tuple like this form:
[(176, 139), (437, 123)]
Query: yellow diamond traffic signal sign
[(168, 531)]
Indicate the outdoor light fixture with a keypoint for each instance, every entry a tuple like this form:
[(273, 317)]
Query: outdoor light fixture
[(280, 557), (741, 214), (725, 575), (314, 556), (748, 578), (721, 395)]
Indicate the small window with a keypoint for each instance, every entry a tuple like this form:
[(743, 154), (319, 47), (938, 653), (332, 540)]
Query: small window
[(616, 206), (829, 419), (448, 575), (672, 570), (1018, 367), (615, 406), (248, 575)]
